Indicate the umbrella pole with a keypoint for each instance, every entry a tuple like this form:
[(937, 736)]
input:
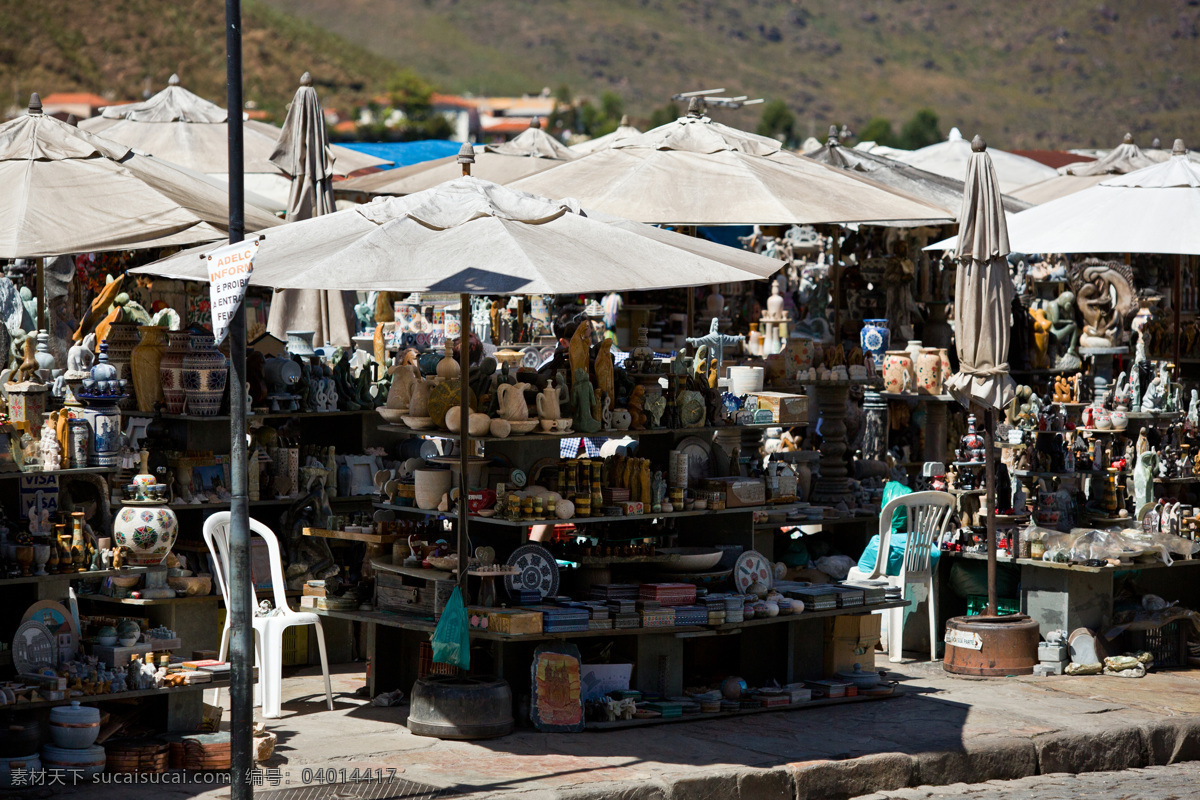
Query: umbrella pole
[(1176, 300), (464, 442), (989, 444), (835, 270), (241, 640)]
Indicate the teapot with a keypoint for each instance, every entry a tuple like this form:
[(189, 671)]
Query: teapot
[(547, 404), (512, 401)]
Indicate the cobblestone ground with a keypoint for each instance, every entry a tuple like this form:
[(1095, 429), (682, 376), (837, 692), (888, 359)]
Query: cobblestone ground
[(1175, 782)]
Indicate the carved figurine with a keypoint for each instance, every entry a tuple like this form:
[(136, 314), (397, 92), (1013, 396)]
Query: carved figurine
[(1040, 357), (603, 366), (637, 415), (656, 406), (584, 401), (1106, 299), (1143, 479), (1061, 313)]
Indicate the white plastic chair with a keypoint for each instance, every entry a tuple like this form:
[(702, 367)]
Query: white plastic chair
[(268, 631), (927, 519)]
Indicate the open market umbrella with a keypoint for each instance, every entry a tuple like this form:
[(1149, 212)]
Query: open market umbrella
[(695, 171), (67, 191), (938, 190), (950, 158), (1121, 160), (624, 131), (472, 236), (983, 294), (186, 129), (531, 152), (302, 153)]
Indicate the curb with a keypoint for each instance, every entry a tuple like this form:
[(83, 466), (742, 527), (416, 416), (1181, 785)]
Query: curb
[(1001, 758)]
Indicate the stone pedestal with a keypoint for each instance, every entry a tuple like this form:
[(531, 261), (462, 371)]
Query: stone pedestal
[(833, 486)]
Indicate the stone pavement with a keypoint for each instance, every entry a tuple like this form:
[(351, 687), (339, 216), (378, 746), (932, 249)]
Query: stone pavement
[(942, 730), (1174, 782)]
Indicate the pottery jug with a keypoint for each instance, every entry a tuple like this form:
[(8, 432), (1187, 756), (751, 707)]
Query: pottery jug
[(897, 372), (874, 339), (928, 368), (170, 371), (146, 532), (418, 403), (547, 404), (122, 338), (512, 401), (145, 364), (204, 376)]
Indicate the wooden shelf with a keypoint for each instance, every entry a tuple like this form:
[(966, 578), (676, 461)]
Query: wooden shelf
[(251, 417), (75, 576), (281, 501), (612, 434), (351, 536), (929, 398), (58, 472), (158, 601), (649, 517), (215, 683)]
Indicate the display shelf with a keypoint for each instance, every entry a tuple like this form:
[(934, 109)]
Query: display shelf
[(280, 501), (526, 523), (138, 601), (61, 472), (76, 576), (1024, 473), (639, 723), (605, 561), (929, 398), (216, 683), (350, 536), (609, 434), (1165, 416), (1063, 565), (1193, 479), (393, 619), (251, 417)]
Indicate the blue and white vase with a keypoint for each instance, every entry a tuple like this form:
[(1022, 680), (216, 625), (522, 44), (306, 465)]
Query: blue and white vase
[(874, 339), (204, 374)]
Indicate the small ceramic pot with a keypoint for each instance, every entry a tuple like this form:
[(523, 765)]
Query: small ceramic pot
[(944, 358), (874, 339), (929, 371), (1119, 420), (1101, 419), (74, 726), (431, 486), (898, 372)]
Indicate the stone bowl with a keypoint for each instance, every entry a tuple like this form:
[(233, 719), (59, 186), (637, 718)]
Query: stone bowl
[(192, 586)]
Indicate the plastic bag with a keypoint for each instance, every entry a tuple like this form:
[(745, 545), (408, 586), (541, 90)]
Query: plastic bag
[(451, 639)]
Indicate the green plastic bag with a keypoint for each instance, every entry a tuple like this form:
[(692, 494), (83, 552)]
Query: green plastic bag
[(451, 638)]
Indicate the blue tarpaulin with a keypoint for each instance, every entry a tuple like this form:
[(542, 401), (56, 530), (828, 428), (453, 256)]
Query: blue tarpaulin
[(406, 153)]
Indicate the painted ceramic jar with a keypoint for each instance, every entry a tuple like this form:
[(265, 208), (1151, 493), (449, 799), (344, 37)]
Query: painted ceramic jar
[(874, 338), (800, 353), (1101, 419), (928, 368), (146, 532), (944, 359), (103, 418), (1119, 420), (145, 364), (898, 374), (914, 348), (170, 371), (204, 376), (122, 338)]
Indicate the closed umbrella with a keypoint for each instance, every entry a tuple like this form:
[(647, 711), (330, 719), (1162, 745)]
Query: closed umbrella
[(1121, 160), (695, 171), (302, 153), (67, 191), (530, 153), (951, 157), (184, 128), (938, 190)]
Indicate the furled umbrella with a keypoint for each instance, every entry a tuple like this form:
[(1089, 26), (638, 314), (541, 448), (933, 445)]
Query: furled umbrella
[(1121, 160), (184, 128), (68, 191), (531, 152), (302, 153), (983, 295)]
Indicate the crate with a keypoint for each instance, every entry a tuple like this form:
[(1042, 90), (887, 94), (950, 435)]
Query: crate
[(1167, 643), (427, 666), (409, 595), (295, 646), (977, 604)]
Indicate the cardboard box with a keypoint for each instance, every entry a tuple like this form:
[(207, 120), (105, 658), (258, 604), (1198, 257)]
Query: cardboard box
[(739, 492), (786, 409), (505, 620), (850, 640)]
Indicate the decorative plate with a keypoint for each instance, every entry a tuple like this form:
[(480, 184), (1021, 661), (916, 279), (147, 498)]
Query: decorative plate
[(531, 358), (539, 571), (751, 566), (60, 622), (33, 648)]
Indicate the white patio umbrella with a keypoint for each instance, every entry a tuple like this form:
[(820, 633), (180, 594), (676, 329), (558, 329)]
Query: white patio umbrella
[(302, 153), (624, 131), (186, 129), (1152, 210), (695, 171), (531, 152), (950, 158), (63, 190), (1121, 160)]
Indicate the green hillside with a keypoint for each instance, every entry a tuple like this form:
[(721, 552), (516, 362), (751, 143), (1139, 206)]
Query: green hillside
[(1023, 73)]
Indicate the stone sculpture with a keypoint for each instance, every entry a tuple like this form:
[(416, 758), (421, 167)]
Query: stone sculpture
[(1106, 299)]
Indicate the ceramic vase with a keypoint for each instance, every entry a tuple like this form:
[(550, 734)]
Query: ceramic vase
[(430, 486), (145, 363), (104, 419), (944, 358), (170, 371), (122, 338), (897, 372), (1119, 419), (874, 339), (204, 376), (914, 348), (928, 369), (146, 532)]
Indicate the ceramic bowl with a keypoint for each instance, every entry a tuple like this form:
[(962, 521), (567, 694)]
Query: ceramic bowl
[(392, 415), (193, 586), (125, 581), (524, 426), (74, 726), (418, 423), (690, 559)]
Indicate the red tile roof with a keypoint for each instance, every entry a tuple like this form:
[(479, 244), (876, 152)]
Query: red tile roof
[(1053, 158)]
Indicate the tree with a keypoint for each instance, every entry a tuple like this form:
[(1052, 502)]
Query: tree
[(878, 130), (920, 130), (778, 122), (410, 94), (664, 114)]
